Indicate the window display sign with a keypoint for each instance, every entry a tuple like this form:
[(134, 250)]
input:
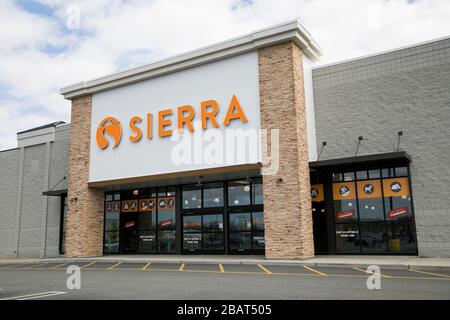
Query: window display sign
[(129, 206), (369, 189), (396, 187), (344, 191), (112, 206), (166, 203), (129, 224), (392, 214), (147, 205), (317, 192), (346, 214)]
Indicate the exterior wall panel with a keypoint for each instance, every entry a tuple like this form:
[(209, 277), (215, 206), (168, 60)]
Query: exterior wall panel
[(375, 97)]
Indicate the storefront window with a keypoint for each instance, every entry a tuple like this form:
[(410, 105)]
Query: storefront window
[(397, 199), (402, 238), (166, 241), (257, 191), (192, 197), (349, 176), (240, 222), (374, 215), (192, 223), (373, 237), (344, 200), (213, 241), (241, 241), (147, 241), (213, 222), (111, 244), (239, 193), (213, 195), (192, 241), (258, 220), (258, 240), (347, 238), (370, 201)]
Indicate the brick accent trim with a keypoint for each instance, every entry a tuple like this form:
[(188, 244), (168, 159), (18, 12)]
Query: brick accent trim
[(85, 207), (287, 204)]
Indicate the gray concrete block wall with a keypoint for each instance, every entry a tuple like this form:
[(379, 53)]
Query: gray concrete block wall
[(31, 213), (378, 96), (25, 226), (9, 165), (58, 169)]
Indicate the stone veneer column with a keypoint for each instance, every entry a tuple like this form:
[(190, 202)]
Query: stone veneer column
[(84, 224), (287, 204)]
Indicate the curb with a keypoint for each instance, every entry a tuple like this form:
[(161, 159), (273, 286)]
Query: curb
[(225, 261)]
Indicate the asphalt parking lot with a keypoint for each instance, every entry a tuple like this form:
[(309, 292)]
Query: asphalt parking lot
[(108, 280)]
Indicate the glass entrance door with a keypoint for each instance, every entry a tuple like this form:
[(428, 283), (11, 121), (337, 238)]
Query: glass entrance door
[(203, 223)]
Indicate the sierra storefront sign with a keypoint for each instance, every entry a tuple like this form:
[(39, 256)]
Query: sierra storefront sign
[(208, 114)]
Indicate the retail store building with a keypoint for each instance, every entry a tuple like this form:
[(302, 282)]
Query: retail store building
[(243, 147)]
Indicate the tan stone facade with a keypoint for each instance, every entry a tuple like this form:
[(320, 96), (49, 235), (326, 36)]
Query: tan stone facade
[(84, 225), (287, 203)]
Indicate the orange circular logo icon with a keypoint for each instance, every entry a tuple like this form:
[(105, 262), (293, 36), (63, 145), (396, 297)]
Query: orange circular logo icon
[(111, 127)]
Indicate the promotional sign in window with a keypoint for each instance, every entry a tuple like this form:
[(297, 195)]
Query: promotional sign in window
[(112, 206), (129, 206), (369, 189), (399, 212), (346, 214), (147, 205), (396, 187), (344, 191), (166, 203), (317, 192)]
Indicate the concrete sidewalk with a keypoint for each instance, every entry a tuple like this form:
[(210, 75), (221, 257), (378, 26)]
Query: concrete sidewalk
[(400, 262)]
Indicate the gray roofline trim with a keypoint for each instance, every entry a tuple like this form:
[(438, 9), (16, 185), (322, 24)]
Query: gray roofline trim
[(289, 31), (376, 54), (45, 126)]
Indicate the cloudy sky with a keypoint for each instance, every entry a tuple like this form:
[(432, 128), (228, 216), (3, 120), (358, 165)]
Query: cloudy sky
[(47, 44)]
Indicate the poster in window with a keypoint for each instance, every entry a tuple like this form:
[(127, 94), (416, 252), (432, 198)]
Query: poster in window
[(129, 206), (166, 203), (344, 191), (147, 205), (369, 189), (112, 206), (317, 192), (396, 187)]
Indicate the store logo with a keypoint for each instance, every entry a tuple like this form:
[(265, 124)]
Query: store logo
[(314, 193), (112, 128), (344, 191), (396, 187), (369, 188)]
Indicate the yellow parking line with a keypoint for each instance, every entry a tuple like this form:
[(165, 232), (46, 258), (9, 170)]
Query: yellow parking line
[(365, 271), (315, 271), (146, 266), (59, 265), (112, 267), (430, 273), (221, 268), (87, 265), (182, 267), (33, 266), (264, 269)]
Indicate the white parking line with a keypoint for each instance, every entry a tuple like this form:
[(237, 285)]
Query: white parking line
[(35, 295)]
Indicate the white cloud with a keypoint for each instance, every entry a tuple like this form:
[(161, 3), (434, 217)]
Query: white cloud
[(38, 54)]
